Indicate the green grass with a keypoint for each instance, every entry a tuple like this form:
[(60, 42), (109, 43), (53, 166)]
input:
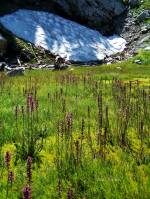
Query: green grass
[(71, 159), (146, 4)]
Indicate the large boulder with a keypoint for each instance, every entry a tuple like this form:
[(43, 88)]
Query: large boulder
[(3, 45), (18, 71), (98, 14), (144, 43)]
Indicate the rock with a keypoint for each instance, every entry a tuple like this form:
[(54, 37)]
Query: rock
[(16, 71), (137, 61), (134, 3), (118, 58), (3, 45), (2, 66), (145, 39), (109, 60), (145, 29), (144, 15), (39, 66), (60, 63), (102, 15), (143, 43), (136, 37), (147, 48), (51, 67)]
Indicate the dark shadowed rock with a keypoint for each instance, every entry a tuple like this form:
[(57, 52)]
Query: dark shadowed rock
[(137, 61), (15, 71), (98, 14), (3, 45), (134, 3), (2, 66)]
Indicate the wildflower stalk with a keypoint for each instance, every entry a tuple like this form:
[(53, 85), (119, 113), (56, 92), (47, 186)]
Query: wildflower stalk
[(100, 123), (29, 169), (7, 162), (89, 133)]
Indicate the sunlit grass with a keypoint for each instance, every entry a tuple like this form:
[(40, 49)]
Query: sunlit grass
[(120, 168)]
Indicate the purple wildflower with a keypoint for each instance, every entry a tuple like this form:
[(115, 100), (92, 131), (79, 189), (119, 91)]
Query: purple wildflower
[(27, 192), (69, 119), (29, 102), (29, 167), (69, 194), (7, 159), (32, 104)]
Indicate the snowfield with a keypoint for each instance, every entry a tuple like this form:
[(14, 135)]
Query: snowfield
[(62, 37)]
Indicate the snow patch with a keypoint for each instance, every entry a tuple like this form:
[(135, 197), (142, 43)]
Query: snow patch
[(62, 37)]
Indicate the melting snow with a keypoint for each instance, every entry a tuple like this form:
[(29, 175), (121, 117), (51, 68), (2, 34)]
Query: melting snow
[(61, 36)]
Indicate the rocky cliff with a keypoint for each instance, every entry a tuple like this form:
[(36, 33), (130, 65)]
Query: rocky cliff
[(101, 15)]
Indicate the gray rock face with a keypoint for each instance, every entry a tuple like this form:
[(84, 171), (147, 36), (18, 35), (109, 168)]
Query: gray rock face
[(144, 15), (98, 14), (3, 45), (144, 43), (134, 3)]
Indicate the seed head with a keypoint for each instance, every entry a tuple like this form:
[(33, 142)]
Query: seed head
[(11, 177), (7, 159), (29, 168), (69, 194), (69, 119)]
